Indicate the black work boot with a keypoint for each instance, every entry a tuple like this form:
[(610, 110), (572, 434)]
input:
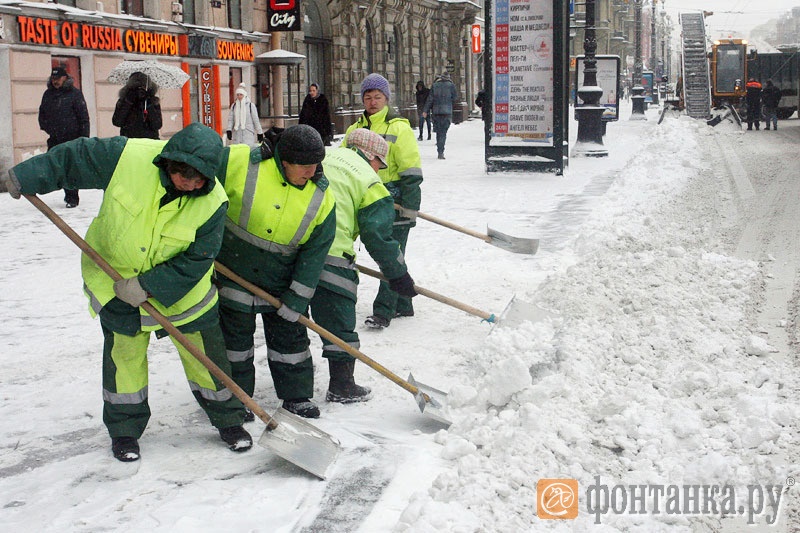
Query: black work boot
[(302, 407), (125, 449), (342, 387), (237, 438)]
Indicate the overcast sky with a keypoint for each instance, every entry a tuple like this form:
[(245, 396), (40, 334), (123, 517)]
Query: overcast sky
[(732, 17)]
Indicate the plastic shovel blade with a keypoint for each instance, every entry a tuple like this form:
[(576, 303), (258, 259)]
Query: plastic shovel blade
[(436, 406), (300, 443), (518, 245)]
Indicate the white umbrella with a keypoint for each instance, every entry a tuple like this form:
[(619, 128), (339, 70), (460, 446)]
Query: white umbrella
[(165, 76)]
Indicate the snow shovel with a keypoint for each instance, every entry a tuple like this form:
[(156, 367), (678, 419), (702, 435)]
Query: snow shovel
[(516, 312), (518, 245), (286, 434), (431, 401)]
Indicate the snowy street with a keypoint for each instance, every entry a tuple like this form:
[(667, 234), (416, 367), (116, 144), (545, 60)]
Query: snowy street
[(664, 350)]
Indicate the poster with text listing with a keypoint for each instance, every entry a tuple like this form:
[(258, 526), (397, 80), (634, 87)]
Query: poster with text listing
[(523, 72)]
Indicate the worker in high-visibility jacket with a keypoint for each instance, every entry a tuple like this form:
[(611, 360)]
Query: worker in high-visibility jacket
[(402, 177), (160, 227), (365, 209), (280, 224)]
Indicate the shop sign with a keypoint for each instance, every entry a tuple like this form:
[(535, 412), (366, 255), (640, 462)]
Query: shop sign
[(207, 97), (77, 35), (283, 15), (235, 51)]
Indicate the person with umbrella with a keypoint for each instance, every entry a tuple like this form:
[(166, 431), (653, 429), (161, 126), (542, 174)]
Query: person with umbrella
[(138, 110)]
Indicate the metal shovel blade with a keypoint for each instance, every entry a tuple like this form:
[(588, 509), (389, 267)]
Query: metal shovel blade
[(518, 245), (518, 311), (436, 406), (300, 443)]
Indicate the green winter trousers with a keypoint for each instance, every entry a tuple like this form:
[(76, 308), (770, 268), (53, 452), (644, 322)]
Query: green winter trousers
[(125, 406), (288, 355), (388, 303), (337, 314)]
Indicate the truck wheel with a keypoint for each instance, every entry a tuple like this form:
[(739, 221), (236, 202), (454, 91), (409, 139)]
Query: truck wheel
[(784, 112)]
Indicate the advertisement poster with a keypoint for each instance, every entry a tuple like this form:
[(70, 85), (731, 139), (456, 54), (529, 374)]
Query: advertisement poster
[(607, 79), (522, 64), (647, 83)]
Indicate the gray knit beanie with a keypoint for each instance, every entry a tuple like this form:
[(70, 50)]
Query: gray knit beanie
[(301, 145), (376, 81)]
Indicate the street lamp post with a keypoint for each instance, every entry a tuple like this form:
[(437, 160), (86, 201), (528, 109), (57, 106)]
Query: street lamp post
[(637, 111), (590, 112), (653, 51)]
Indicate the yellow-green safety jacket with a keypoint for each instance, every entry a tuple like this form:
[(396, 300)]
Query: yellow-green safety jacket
[(277, 235), (363, 208), (173, 262), (134, 233), (403, 174)]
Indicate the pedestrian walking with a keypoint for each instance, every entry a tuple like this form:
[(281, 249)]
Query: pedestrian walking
[(138, 110), (402, 177), (365, 210), (244, 126), (316, 113), (440, 103), (160, 226), (421, 94), (64, 117), (771, 98), (280, 225), (753, 99)]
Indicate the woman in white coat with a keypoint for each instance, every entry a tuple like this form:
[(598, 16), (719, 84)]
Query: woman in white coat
[(243, 124)]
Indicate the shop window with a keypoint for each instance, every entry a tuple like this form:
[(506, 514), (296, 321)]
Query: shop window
[(134, 7), (263, 96), (234, 79), (235, 14), (188, 11), (71, 64)]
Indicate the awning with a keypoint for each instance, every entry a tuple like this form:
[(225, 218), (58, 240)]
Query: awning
[(280, 57)]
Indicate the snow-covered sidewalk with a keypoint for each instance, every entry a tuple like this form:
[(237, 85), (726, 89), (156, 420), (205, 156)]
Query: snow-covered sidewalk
[(644, 368)]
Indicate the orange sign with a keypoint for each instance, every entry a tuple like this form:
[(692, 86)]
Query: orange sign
[(75, 35), (235, 51), (476, 38), (206, 97), (557, 499)]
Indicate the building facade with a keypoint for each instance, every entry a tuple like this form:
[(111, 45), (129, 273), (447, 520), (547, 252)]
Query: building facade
[(222, 43)]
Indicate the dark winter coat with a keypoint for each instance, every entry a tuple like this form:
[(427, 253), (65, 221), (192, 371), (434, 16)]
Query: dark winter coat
[(753, 96), (316, 113), (138, 113), (771, 96), (63, 114), (442, 97), (422, 96)]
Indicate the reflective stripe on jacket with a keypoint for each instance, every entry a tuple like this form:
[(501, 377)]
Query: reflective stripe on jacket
[(276, 234), (134, 233)]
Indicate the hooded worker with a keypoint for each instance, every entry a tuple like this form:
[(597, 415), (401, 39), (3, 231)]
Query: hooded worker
[(160, 227)]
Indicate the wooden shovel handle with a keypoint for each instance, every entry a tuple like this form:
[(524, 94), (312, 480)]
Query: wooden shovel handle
[(310, 324), (489, 317), (446, 224), (152, 311)]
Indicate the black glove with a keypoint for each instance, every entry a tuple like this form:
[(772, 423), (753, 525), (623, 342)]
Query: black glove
[(404, 286), (260, 137), (229, 133)]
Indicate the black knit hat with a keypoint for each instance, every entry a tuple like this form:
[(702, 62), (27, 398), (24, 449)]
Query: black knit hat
[(301, 145)]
